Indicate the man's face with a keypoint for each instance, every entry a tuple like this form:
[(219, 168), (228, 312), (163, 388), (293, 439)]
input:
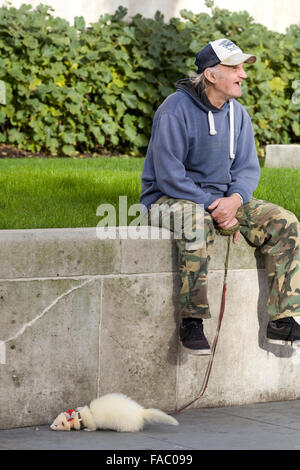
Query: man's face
[(229, 80)]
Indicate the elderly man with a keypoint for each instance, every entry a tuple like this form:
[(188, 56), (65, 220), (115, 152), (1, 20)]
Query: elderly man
[(202, 154)]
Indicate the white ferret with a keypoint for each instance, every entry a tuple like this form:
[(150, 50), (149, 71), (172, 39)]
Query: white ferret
[(113, 411)]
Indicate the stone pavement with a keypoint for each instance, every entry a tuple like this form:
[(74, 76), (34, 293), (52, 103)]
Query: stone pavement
[(263, 426)]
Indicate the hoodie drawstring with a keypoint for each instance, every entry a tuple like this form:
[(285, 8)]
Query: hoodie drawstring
[(211, 122), (231, 125), (212, 130)]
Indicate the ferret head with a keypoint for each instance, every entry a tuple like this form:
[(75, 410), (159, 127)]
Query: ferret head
[(61, 423)]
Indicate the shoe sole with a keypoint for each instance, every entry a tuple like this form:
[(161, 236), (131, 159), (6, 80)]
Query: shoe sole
[(282, 342), (197, 352)]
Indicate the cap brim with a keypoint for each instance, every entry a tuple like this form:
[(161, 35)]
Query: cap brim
[(239, 58)]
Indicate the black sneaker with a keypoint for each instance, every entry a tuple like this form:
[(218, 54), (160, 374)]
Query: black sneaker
[(285, 331), (192, 337)]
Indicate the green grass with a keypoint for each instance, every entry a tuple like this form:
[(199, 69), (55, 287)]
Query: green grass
[(63, 192), (48, 193), (280, 186)]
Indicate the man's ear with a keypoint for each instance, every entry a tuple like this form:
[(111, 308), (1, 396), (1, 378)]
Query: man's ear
[(210, 75)]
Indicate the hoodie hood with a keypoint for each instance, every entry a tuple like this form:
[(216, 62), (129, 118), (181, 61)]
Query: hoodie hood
[(198, 94)]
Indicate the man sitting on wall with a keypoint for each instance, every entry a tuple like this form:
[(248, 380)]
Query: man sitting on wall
[(202, 154)]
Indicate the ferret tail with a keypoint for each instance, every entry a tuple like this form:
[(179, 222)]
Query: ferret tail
[(152, 415)]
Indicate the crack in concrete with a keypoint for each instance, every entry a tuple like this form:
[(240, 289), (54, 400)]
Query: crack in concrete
[(38, 317)]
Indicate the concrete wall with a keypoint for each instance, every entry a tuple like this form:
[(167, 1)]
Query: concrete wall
[(283, 156), (81, 317), (270, 12)]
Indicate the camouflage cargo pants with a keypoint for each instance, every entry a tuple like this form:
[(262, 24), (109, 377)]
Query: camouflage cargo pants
[(270, 227)]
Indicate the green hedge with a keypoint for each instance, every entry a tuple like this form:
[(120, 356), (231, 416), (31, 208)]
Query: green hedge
[(83, 88)]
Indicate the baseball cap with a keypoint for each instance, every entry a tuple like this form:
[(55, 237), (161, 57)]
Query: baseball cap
[(222, 51)]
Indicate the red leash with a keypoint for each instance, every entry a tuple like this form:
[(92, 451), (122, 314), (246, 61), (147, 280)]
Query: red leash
[(210, 364)]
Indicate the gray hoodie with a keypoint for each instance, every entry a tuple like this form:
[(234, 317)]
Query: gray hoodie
[(198, 152)]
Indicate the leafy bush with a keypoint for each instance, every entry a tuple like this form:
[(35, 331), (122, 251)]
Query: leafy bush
[(84, 88)]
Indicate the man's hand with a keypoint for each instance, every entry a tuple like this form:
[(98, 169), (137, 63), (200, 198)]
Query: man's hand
[(235, 236), (224, 210)]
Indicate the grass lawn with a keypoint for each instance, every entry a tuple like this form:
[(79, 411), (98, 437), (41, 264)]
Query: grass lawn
[(280, 186), (64, 192)]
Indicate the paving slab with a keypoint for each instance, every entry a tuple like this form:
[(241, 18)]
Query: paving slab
[(263, 426)]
